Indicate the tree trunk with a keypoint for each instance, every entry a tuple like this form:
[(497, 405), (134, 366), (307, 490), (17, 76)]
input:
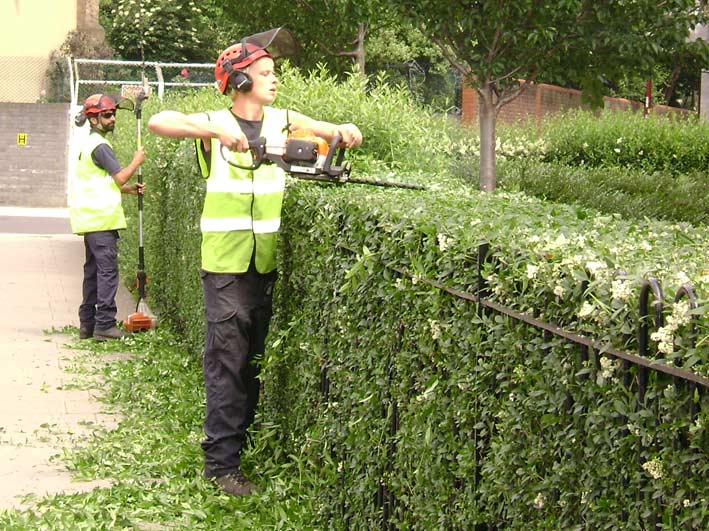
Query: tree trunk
[(359, 58), (671, 85), (487, 115)]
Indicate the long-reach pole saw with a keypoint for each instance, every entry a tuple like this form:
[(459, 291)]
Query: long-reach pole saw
[(141, 319), (140, 274)]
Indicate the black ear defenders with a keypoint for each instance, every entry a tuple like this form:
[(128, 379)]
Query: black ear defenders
[(238, 79), (241, 81)]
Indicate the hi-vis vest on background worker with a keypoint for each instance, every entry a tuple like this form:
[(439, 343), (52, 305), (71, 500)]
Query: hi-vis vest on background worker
[(242, 208), (94, 197)]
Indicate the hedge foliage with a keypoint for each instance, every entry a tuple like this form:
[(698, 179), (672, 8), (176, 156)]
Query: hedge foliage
[(630, 193), (407, 402), (615, 162), (627, 139)]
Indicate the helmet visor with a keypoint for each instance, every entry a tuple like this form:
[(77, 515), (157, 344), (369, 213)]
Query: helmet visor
[(122, 103), (278, 42)]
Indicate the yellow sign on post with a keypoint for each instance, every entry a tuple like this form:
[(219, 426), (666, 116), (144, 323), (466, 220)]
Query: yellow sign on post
[(21, 139)]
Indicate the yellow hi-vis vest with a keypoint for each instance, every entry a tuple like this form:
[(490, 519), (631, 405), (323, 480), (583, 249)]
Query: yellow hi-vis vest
[(242, 208), (94, 197)]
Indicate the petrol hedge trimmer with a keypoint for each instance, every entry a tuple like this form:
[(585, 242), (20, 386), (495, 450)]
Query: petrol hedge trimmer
[(309, 157)]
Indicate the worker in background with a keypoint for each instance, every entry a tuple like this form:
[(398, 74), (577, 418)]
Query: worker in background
[(96, 213), (239, 224)]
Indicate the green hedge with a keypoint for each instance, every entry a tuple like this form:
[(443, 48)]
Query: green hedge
[(615, 162), (626, 139), (631, 193), (497, 423), (486, 431)]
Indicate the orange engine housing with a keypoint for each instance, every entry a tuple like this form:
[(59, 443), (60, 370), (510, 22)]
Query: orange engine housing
[(138, 322), (304, 134)]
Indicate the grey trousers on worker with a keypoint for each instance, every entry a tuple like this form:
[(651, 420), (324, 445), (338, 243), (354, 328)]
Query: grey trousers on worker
[(98, 307), (238, 310)]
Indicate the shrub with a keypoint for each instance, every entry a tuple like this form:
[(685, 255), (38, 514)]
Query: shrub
[(626, 139)]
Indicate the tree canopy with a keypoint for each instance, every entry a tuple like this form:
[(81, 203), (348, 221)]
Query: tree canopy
[(502, 47)]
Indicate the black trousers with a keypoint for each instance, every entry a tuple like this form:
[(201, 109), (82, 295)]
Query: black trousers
[(98, 306), (238, 309)]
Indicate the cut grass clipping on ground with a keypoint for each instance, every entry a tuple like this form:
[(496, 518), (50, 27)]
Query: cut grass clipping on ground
[(153, 457)]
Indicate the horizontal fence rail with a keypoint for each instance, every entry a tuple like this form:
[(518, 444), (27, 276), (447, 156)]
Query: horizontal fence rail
[(658, 365), (89, 75)]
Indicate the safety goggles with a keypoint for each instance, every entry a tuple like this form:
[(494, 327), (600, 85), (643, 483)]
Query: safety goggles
[(108, 114)]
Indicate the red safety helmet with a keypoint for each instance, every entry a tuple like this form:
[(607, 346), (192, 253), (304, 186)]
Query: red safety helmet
[(97, 103), (232, 59)]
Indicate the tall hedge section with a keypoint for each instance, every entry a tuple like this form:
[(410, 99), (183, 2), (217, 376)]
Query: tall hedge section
[(413, 408)]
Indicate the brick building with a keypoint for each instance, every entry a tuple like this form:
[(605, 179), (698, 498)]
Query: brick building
[(34, 137)]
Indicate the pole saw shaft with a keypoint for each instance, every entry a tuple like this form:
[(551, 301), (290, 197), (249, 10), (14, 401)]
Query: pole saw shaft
[(141, 277)]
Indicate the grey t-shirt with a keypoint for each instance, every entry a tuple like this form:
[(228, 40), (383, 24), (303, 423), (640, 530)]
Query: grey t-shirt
[(250, 128), (104, 158)]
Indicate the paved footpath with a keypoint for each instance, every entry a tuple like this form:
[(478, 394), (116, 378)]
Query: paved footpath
[(40, 291)]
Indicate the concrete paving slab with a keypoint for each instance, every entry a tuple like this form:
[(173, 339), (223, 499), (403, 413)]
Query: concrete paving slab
[(40, 412)]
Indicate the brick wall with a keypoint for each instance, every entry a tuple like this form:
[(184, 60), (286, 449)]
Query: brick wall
[(542, 99), (33, 175)]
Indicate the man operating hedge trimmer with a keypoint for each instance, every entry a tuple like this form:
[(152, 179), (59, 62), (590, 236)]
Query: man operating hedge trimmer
[(240, 221)]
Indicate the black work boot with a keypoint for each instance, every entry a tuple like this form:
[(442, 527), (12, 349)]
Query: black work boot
[(235, 484), (111, 333), (86, 331)]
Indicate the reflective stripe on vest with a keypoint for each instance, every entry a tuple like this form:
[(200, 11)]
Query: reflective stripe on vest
[(242, 208), (94, 197)]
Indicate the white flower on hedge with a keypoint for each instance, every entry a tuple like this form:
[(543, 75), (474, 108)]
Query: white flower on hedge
[(654, 468), (617, 150), (559, 291), (560, 241), (532, 270), (428, 393), (586, 310), (679, 316), (664, 336), (596, 268), (621, 290), (645, 246), (664, 339), (540, 500), (686, 502), (619, 141), (444, 242), (435, 328), (633, 429), (572, 262), (399, 283), (682, 278), (608, 367)]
